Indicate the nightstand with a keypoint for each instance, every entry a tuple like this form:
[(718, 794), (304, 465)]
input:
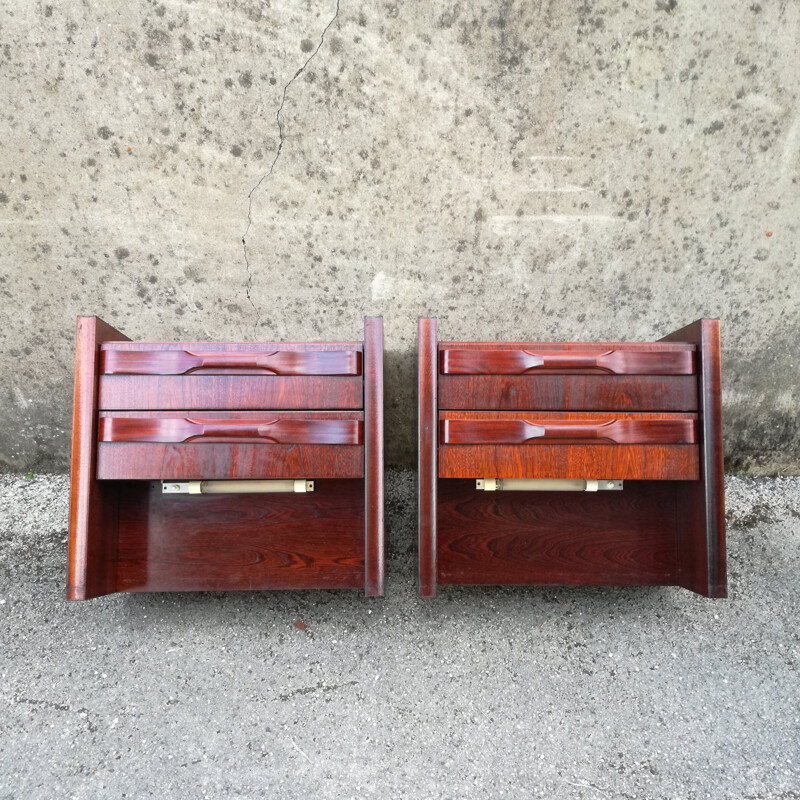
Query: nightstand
[(571, 463), (203, 466)]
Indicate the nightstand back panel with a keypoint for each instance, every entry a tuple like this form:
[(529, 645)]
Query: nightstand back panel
[(621, 538), (241, 542)]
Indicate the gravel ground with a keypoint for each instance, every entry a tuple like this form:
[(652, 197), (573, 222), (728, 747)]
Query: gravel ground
[(528, 692)]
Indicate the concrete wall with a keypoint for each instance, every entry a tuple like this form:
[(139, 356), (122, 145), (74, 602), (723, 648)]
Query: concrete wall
[(530, 169)]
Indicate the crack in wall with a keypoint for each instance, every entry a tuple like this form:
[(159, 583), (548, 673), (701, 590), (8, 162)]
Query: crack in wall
[(268, 173)]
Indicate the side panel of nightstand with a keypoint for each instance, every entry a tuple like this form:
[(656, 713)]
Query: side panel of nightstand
[(93, 507), (701, 504), (373, 457), (427, 421)]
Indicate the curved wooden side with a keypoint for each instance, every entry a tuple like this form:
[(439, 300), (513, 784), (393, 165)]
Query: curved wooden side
[(427, 461), (701, 506), (91, 569), (373, 457)]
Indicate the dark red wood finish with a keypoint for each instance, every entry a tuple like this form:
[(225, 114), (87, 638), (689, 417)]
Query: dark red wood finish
[(241, 542), (228, 457), (570, 458), (615, 462), (203, 428), (567, 538), (541, 392), (663, 346), (590, 429), (701, 504), (92, 512), (427, 459), (175, 462), (373, 457), (183, 362), (664, 527), (320, 419), (515, 362), (178, 392)]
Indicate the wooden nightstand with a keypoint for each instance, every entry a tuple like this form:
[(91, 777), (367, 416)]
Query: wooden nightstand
[(169, 439), (572, 463)]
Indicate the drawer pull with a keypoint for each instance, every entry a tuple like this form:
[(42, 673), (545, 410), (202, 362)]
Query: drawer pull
[(184, 362), (519, 431), (268, 431), (615, 362)]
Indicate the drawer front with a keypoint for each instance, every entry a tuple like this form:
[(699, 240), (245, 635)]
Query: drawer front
[(621, 376), (618, 358), (569, 392), (218, 445), (256, 429), (173, 358), (137, 375), (620, 446), (149, 392)]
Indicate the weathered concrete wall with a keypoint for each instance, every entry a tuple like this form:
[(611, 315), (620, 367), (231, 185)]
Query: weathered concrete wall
[(521, 169)]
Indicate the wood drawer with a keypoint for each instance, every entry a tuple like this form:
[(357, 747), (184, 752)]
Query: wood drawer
[(177, 375), (619, 445), (170, 445), (653, 376)]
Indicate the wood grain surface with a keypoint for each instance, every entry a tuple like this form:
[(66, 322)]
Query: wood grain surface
[(373, 457), (168, 392), (566, 460), (199, 428), (628, 361), (666, 345), (701, 507), (535, 429), (427, 433), (569, 392), (92, 512), (206, 361), (218, 461), (238, 542), (567, 538)]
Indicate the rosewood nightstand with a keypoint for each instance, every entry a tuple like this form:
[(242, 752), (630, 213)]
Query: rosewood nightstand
[(218, 466), (572, 463)]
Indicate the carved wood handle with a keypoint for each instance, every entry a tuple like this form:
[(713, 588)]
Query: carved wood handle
[(600, 431), (517, 362), (184, 362), (273, 431)]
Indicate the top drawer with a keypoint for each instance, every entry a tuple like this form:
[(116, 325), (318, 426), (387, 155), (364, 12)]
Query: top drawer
[(212, 375), (653, 376)]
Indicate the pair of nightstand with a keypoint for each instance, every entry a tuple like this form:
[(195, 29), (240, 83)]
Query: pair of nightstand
[(221, 466)]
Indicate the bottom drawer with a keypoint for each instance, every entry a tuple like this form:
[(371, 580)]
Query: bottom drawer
[(190, 445), (620, 446)]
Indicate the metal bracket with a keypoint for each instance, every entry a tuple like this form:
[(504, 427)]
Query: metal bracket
[(236, 487), (548, 485)]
